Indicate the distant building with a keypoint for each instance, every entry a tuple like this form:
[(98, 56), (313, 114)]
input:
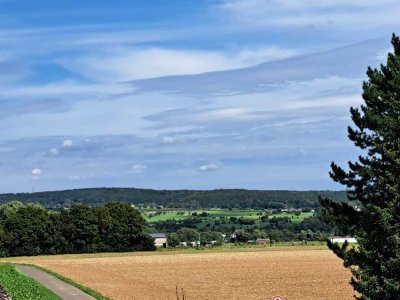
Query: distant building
[(339, 239), (193, 244), (211, 242), (262, 241), (160, 239)]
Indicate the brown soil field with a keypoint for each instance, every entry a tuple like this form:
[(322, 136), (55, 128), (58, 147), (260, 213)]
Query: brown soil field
[(294, 274)]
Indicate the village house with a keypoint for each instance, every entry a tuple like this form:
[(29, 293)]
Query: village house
[(160, 239), (339, 239)]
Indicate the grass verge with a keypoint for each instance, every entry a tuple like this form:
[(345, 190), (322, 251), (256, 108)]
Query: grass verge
[(84, 289), (21, 287)]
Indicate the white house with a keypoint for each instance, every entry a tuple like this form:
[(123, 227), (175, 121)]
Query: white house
[(160, 239), (339, 239)]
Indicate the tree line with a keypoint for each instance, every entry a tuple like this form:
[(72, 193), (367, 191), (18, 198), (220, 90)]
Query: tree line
[(278, 229), (30, 229), (184, 199)]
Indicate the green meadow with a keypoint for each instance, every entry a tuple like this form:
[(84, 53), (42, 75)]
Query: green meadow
[(159, 215)]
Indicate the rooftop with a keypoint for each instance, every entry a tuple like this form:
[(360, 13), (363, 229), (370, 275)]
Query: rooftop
[(158, 235)]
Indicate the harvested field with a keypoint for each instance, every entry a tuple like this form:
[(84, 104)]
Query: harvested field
[(294, 274)]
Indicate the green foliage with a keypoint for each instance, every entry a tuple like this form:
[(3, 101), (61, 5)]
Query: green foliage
[(9, 209), (32, 230), (208, 236), (373, 180), (278, 226), (5, 240), (80, 228), (183, 199), (123, 228), (27, 228), (173, 240), (242, 236), (188, 235), (153, 216), (157, 216), (21, 287)]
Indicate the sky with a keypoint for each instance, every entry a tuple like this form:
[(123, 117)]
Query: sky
[(183, 94)]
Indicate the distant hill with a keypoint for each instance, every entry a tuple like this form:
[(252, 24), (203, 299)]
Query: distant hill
[(196, 199)]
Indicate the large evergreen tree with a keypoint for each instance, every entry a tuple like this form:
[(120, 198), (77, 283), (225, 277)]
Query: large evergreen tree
[(373, 183)]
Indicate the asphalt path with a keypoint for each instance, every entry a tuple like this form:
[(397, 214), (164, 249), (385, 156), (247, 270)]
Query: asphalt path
[(59, 287)]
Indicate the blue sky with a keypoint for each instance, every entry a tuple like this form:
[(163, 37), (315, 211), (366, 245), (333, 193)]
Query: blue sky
[(183, 94)]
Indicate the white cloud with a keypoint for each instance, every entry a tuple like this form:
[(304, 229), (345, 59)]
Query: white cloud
[(66, 88), (54, 151), (36, 172), (126, 64), (226, 114), (67, 143), (302, 4), (138, 168), (210, 167), (167, 140), (289, 13)]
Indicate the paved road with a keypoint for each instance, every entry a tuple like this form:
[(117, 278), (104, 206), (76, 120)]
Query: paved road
[(59, 287)]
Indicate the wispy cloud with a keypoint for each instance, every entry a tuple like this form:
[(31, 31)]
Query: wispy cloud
[(138, 168), (168, 139), (54, 151), (291, 13), (62, 88), (210, 167), (233, 87), (123, 64)]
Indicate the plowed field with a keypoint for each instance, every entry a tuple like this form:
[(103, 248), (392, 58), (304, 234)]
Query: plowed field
[(294, 274)]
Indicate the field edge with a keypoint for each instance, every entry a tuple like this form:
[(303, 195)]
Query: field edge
[(38, 286), (83, 288)]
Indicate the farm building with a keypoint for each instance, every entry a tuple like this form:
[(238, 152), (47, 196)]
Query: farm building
[(339, 239), (262, 241), (160, 239)]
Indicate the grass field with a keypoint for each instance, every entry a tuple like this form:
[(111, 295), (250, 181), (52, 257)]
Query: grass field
[(21, 287), (218, 213), (296, 273), (295, 218)]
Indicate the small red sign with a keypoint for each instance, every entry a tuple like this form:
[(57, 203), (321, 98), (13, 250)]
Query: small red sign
[(277, 298)]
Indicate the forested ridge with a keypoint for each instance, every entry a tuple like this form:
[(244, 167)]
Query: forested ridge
[(189, 199)]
